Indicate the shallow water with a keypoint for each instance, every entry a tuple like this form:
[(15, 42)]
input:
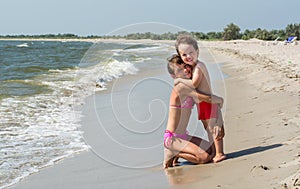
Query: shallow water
[(40, 85)]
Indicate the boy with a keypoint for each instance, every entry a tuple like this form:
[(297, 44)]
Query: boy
[(210, 114)]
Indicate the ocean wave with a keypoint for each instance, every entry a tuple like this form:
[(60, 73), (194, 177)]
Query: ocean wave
[(23, 45), (113, 69)]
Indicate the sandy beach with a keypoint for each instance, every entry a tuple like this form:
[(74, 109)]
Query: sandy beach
[(262, 123)]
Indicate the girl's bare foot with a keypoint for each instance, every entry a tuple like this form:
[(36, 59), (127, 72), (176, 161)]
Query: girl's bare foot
[(168, 158), (175, 161), (168, 163)]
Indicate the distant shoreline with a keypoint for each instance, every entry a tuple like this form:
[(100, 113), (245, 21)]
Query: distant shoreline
[(94, 40), (56, 39)]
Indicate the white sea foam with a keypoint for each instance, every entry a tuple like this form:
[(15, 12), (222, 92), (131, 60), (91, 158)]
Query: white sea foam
[(23, 45), (42, 130), (114, 70), (38, 130), (159, 48)]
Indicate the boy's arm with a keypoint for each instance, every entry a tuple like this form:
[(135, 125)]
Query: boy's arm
[(197, 77)]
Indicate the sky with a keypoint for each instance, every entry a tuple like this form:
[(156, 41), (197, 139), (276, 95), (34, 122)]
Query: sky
[(105, 17)]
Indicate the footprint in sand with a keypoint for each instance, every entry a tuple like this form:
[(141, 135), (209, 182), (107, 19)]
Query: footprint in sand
[(259, 167)]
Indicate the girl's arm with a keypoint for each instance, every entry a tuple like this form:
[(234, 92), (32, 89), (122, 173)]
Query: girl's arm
[(198, 97), (187, 82), (184, 90)]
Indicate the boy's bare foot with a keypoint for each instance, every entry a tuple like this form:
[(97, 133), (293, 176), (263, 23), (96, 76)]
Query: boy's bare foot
[(218, 158)]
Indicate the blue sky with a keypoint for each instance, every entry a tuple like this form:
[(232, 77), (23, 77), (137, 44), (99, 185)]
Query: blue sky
[(100, 17)]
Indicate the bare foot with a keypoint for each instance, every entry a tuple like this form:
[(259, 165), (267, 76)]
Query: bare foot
[(168, 158), (218, 158), (168, 163), (175, 161)]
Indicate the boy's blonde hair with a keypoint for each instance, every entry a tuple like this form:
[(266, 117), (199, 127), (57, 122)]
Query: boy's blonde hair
[(186, 39)]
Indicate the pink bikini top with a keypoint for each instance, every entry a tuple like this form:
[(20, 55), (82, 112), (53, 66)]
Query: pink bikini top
[(187, 103)]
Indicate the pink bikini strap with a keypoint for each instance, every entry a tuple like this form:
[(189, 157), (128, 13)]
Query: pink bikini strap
[(168, 138)]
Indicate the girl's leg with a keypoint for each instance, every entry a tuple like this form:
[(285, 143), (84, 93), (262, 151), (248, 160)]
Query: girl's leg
[(172, 160), (189, 151), (203, 144)]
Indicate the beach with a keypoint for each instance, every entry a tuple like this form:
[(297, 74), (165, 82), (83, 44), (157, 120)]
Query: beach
[(260, 85)]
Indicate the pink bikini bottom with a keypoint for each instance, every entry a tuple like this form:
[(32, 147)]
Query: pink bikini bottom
[(168, 137)]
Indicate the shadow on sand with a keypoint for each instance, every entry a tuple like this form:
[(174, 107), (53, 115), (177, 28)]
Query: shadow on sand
[(251, 151), (240, 153)]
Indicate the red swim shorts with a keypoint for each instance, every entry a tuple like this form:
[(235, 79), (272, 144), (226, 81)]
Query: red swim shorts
[(207, 110)]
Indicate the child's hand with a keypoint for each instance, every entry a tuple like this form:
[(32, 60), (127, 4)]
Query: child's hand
[(177, 81), (217, 100), (221, 103), (218, 132)]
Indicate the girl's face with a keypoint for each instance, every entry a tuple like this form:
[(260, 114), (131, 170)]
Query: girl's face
[(183, 71), (188, 54)]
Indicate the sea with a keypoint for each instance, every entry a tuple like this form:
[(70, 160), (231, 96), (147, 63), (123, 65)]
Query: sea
[(42, 83)]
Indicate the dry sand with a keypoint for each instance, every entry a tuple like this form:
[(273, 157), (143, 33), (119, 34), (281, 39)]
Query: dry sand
[(263, 111), (262, 131)]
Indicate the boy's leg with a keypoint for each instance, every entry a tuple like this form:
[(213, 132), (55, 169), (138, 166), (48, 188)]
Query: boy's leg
[(220, 124), (218, 140), (220, 156), (211, 140)]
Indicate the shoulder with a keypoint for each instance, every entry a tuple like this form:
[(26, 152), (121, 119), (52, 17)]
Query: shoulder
[(200, 64)]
